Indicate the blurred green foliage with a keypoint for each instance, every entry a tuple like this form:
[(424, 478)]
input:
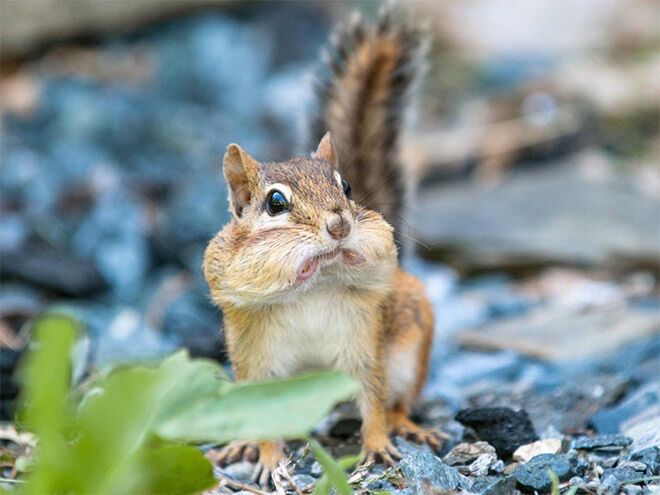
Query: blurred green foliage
[(128, 432), (334, 471)]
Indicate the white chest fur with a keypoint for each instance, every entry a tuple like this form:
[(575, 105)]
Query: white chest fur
[(320, 330)]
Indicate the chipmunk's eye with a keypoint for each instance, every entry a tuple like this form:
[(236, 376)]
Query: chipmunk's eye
[(276, 203), (347, 188)]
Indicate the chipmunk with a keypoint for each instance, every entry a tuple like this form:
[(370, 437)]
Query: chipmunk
[(307, 277)]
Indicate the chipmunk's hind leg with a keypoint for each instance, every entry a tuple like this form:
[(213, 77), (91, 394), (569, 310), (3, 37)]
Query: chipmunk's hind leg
[(409, 347)]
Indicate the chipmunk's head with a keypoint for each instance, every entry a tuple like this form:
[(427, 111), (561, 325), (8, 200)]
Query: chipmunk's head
[(295, 227)]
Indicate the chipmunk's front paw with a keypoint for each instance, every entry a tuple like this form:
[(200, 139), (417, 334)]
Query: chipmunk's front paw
[(270, 456), (387, 454), (235, 452)]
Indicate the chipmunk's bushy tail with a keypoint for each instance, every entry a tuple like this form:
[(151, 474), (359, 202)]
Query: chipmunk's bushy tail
[(362, 92)]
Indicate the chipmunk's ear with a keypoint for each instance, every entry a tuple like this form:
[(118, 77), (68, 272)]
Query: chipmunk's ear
[(241, 171), (327, 151)]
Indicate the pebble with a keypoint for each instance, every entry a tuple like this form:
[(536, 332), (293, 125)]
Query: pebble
[(239, 471), (612, 479), (610, 462), (465, 453), (526, 452), (534, 474), (503, 428), (482, 482), (601, 442), (650, 457), (576, 481), (304, 481), (316, 470), (482, 464), (505, 486), (380, 486), (609, 420), (636, 465), (497, 467), (592, 485), (422, 468)]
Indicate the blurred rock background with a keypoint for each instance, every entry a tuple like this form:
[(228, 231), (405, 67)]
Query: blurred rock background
[(535, 139)]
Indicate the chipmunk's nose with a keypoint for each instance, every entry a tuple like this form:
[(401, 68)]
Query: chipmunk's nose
[(337, 226)]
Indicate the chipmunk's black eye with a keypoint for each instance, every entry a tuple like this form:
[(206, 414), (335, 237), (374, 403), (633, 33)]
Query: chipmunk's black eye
[(276, 203), (347, 188)]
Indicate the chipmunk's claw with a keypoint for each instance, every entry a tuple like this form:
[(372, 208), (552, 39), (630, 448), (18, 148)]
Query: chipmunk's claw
[(262, 475), (429, 436), (236, 452), (388, 455)]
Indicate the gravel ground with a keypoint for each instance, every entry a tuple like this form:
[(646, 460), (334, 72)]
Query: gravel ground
[(111, 188)]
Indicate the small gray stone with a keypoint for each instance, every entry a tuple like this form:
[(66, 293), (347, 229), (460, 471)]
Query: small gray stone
[(497, 467), (304, 481), (612, 479), (482, 464), (482, 482), (466, 453), (534, 474), (601, 442), (576, 481), (610, 462), (316, 469), (633, 490), (592, 486), (636, 465), (240, 471), (610, 420), (503, 486), (650, 457), (421, 468), (380, 485)]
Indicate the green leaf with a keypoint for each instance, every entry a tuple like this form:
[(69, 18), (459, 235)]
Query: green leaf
[(46, 379), (111, 443), (287, 409), (334, 472), (176, 469), (555, 482), (119, 413)]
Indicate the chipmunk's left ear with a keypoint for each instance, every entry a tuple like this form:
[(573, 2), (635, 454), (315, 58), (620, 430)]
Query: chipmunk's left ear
[(327, 151), (241, 173)]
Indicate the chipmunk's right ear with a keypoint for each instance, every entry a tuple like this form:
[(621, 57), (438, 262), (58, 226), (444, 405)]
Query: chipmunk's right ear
[(241, 172)]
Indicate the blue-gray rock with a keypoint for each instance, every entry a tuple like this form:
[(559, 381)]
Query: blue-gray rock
[(503, 428), (612, 479), (423, 471), (113, 235), (650, 457), (633, 490), (239, 471), (195, 324), (61, 272), (636, 465), (609, 420), (601, 442), (380, 485), (304, 482), (534, 474), (503, 486)]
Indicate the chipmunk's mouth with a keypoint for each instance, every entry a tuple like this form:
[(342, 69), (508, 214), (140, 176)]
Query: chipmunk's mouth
[(311, 265)]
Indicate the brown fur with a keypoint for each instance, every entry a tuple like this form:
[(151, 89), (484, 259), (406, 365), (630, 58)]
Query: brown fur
[(362, 92), (317, 286)]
